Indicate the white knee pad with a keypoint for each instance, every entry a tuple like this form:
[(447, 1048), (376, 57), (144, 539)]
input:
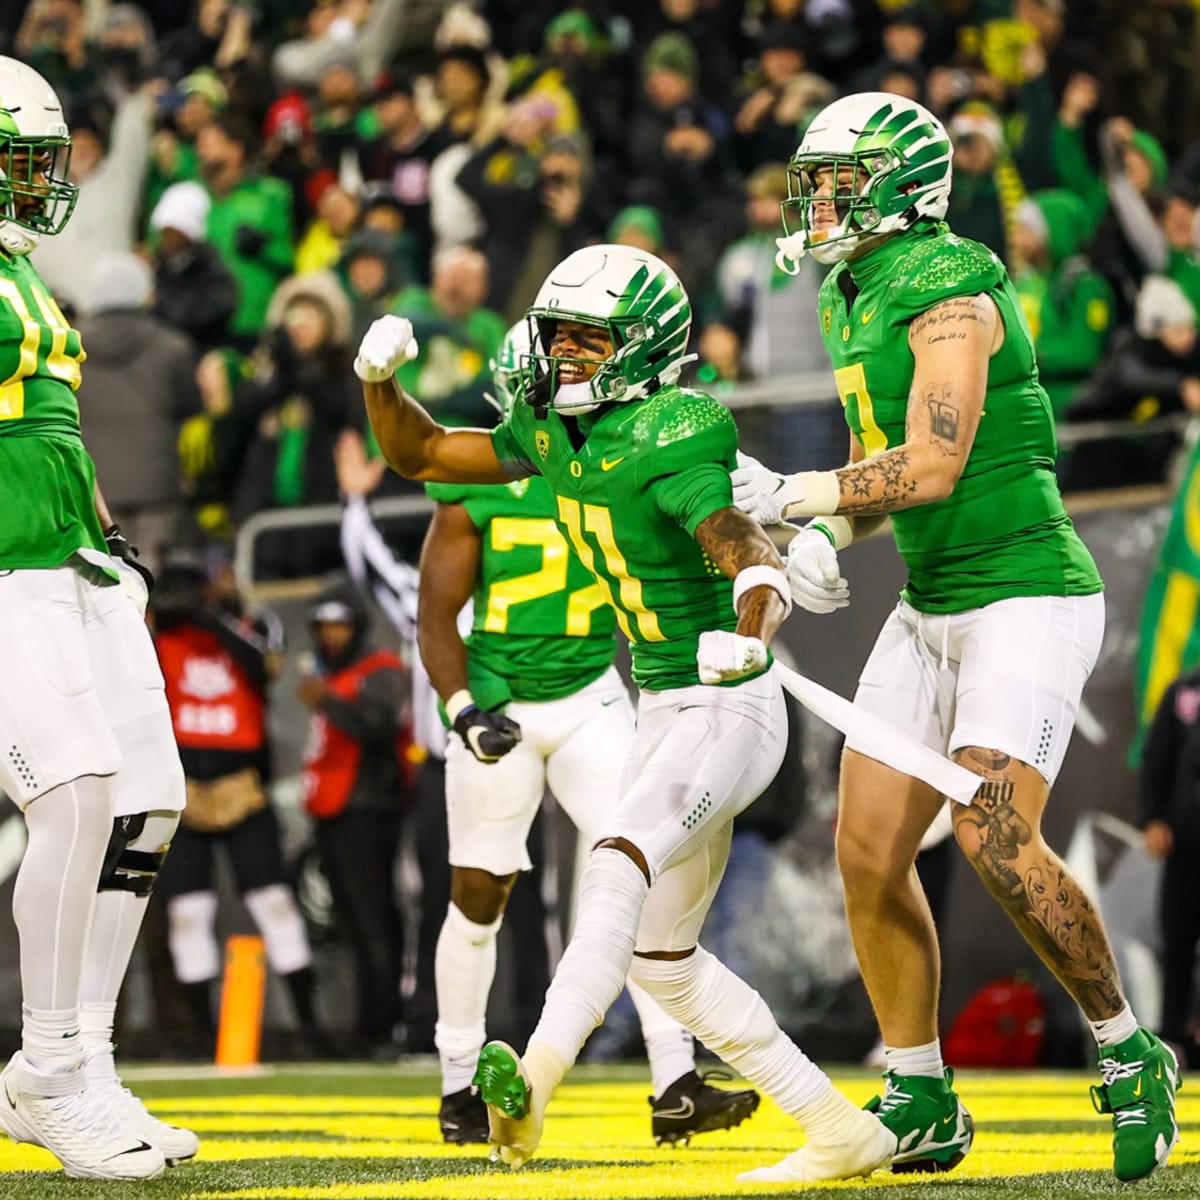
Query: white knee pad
[(701, 993), (278, 918), (191, 932)]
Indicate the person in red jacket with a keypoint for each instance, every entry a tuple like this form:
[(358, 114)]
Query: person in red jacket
[(217, 662), (355, 786)]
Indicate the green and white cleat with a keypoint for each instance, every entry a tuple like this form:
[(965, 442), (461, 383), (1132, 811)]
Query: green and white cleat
[(514, 1117), (1141, 1076), (933, 1130)]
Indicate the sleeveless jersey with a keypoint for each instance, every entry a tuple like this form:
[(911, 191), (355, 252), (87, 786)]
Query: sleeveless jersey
[(1003, 531), (629, 501), (46, 476), (542, 625)]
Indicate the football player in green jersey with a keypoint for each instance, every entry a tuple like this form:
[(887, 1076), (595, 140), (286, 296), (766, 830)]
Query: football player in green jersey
[(535, 699), (88, 753), (999, 624), (638, 470)]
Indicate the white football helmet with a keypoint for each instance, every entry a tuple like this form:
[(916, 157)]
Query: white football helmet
[(36, 198), (637, 299), (510, 367), (890, 159)]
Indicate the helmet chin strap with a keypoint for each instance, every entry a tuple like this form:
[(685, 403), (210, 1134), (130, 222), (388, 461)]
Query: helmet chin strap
[(17, 241)]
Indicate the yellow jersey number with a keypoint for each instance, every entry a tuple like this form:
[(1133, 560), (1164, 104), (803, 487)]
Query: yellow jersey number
[(509, 532), (851, 384), (595, 519), (61, 362)]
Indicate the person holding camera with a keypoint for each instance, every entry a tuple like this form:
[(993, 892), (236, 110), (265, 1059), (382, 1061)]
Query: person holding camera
[(217, 662)]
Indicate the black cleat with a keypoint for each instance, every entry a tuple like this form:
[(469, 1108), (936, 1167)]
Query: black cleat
[(463, 1118), (692, 1105)]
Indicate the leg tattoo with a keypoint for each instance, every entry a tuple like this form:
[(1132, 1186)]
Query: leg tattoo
[(1045, 902)]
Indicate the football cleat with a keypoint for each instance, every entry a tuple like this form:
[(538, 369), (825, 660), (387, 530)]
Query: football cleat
[(515, 1115), (105, 1087), (692, 1105), (56, 1110), (464, 1119), (1141, 1076), (933, 1130), (863, 1147)]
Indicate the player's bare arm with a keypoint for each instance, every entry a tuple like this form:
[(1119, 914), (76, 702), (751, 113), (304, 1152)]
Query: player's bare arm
[(411, 441), (735, 543), (951, 344), (449, 567)]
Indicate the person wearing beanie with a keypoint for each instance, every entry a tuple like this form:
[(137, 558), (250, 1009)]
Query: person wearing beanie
[(638, 226), (987, 184), (137, 390), (1152, 369), (194, 291), (1068, 305)]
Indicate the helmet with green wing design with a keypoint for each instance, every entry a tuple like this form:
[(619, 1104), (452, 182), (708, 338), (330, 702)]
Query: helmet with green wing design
[(510, 367), (885, 164), (635, 301), (36, 198)]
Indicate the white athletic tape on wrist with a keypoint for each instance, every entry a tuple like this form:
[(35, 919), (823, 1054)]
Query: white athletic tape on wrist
[(460, 700), (810, 494), (839, 529), (889, 745), (761, 575)]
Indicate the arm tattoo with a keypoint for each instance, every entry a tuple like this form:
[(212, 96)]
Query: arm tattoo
[(948, 322), (877, 485), (1047, 905), (943, 418), (733, 541)]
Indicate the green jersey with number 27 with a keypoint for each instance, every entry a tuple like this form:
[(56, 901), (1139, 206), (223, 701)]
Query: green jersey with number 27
[(47, 478), (1003, 531), (629, 498), (542, 626)]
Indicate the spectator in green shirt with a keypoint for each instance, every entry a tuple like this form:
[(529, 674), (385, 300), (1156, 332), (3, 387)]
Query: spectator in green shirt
[(250, 223)]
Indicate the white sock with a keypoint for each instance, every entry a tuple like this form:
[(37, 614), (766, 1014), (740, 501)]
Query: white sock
[(50, 1039), (1114, 1030), (592, 970), (464, 967), (733, 1021), (192, 936), (96, 1024), (669, 1047), (916, 1060), (55, 893), (277, 916)]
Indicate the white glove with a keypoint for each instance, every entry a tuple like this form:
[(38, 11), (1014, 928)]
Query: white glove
[(385, 347), (132, 584), (722, 656), (757, 490), (812, 571)]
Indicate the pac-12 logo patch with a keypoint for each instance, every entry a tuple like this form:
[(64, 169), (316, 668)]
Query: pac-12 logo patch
[(541, 439), (826, 319)]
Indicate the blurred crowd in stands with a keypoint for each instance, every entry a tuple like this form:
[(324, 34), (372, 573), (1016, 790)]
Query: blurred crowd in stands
[(259, 179)]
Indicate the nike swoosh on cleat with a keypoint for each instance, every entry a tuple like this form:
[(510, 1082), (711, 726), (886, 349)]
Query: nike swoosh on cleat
[(687, 1108), (8, 1096), (1137, 1091), (135, 1150)]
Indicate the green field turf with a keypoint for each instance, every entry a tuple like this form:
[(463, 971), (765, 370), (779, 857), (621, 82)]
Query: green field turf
[(336, 1132)]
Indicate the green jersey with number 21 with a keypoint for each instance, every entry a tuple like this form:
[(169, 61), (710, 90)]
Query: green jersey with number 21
[(542, 626), (629, 500), (46, 476), (1003, 531)]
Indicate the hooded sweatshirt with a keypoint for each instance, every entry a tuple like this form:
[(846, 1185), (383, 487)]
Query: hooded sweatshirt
[(1067, 304)]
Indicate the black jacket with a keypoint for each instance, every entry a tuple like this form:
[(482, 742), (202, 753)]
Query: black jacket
[(1171, 762)]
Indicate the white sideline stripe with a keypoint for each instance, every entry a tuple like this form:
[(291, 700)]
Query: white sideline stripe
[(889, 746), (12, 845)]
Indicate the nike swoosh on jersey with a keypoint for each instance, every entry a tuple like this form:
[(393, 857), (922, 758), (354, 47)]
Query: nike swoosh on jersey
[(868, 315), (605, 465)]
